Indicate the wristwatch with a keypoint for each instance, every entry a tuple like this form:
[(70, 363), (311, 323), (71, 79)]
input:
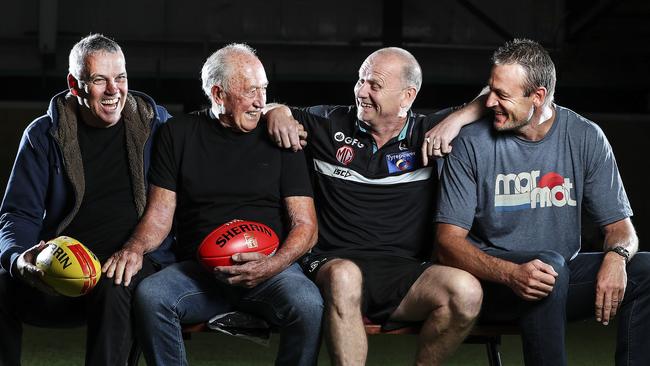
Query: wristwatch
[(621, 251)]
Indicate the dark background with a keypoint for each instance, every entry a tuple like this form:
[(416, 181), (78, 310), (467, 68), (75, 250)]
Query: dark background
[(312, 50)]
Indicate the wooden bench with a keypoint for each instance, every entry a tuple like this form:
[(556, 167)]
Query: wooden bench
[(490, 335)]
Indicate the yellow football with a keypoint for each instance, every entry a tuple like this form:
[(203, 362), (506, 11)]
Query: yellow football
[(70, 268)]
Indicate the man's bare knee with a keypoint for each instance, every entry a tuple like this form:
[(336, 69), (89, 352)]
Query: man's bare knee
[(452, 291), (341, 281), (465, 296)]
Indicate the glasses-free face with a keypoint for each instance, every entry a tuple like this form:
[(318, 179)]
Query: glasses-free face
[(380, 92), (512, 108), (101, 81), (103, 92), (246, 95)]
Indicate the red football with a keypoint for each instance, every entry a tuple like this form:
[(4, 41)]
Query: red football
[(236, 236)]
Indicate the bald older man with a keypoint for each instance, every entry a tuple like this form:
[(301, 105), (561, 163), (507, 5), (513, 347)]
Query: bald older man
[(375, 202)]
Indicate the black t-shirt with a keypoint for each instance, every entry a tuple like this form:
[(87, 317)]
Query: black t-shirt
[(107, 214), (369, 199), (219, 175)]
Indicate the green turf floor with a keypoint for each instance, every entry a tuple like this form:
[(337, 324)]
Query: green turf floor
[(588, 344)]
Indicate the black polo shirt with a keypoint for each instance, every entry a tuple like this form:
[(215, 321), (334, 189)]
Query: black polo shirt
[(370, 199)]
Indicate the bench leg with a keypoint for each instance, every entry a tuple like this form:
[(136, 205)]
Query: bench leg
[(492, 347)]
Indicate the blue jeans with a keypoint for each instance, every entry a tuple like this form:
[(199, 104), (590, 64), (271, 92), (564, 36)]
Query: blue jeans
[(573, 297), (185, 293)]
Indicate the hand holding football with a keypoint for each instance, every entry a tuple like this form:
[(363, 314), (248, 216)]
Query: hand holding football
[(236, 236), (70, 268)]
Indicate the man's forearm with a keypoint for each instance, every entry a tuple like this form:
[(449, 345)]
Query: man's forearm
[(147, 237), (621, 234), (303, 232), (298, 242), (473, 110), (278, 108), (456, 251), (156, 222)]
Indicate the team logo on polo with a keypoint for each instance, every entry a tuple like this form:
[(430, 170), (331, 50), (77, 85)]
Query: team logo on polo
[(345, 154), (400, 162), (527, 190)]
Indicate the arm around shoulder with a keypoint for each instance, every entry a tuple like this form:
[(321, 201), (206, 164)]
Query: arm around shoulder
[(285, 131), (437, 141)]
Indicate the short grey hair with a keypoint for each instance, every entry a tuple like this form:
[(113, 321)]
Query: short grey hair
[(217, 68), (87, 46), (536, 62), (412, 72)]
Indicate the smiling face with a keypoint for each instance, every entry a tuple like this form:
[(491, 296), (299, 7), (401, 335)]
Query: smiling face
[(512, 109), (381, 93), (246, 94), (103, 92)]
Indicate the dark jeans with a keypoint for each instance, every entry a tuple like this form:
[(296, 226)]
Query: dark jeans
[(106, 311), (573, 297), (185, 293)]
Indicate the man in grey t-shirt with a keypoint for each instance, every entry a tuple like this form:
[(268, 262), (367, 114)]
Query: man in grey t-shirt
[(509, 211)]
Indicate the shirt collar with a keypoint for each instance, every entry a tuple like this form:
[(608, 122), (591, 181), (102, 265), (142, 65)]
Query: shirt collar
[(362, 126)]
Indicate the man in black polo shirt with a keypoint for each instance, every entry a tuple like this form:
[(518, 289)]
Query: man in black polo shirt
[(375, 202)]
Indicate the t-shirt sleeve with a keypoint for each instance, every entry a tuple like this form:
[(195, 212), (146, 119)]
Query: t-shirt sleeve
[(295, 175), (164, 167), (457, 196), (605, 199)]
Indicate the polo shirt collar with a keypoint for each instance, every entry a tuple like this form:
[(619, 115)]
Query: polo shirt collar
[(363, 127)]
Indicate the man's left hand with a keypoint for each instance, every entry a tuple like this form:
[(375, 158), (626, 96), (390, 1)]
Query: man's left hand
[(610, 287), (123, 265), (437, 141), (251, 270)]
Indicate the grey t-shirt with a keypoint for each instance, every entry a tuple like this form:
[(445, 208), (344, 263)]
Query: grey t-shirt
[(520, 195)]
